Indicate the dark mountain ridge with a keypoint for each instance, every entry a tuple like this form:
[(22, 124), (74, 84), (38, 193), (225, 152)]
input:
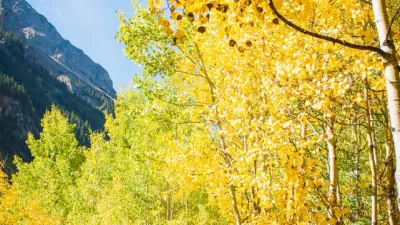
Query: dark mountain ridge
[(38, 68), (66, 62), (27, 90)]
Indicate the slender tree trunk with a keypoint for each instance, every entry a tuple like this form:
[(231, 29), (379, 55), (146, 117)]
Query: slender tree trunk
[(392, 78), (255, 200), (372, 163), (231, 186), (356, 141), (187, 209), (172, 209), (333, 169), (339, 200), (167, 203), (391, 200), (232, 192), (372, 123), (147, 195)]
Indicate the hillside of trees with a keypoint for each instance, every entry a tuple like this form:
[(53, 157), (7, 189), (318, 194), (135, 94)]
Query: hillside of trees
[(246, 112), (27, 82), (17, 119)]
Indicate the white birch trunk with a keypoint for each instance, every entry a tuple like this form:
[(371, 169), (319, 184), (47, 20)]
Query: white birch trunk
[(391, 200), (372, 162), (333, 169), (392, 78)]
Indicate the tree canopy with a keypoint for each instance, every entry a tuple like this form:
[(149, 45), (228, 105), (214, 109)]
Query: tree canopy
[(246, 112)]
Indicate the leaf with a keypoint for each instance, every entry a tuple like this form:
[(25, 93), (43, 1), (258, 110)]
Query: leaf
[(194, 6), (249, 43), (190, 16), (201, 29), (368, 35), (180, 34), (232, 43), (159, 4)]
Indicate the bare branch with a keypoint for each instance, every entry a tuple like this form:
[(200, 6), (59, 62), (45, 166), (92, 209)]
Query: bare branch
[(324, 37), (367, 2)]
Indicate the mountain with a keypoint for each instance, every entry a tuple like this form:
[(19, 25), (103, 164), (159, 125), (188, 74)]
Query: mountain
[(17, 118), (68, 63), (27, 90), (38, 68)]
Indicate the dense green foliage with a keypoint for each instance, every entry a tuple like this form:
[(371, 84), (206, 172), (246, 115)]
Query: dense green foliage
[(9, 87), (120, 181), (58, 154), (106, 104)]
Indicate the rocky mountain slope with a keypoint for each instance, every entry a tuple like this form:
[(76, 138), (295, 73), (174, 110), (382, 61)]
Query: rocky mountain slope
[(27, 90), (68, 63), (38, 68)]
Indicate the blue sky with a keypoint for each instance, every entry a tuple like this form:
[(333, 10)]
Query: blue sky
[(91, 26)]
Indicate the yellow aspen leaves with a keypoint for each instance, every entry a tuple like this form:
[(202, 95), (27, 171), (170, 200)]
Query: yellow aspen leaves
[(158, 3), (194, 6), (368, 36), (166, 25), (180, 36), (238, 117)]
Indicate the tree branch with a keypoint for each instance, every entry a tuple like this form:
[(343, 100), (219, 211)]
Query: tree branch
[(391, 23), (324, 37), (369, 3)]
